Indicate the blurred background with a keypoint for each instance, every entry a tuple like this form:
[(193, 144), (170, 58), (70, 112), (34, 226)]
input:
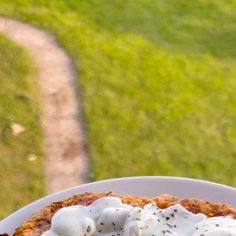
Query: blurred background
[(157, 83)]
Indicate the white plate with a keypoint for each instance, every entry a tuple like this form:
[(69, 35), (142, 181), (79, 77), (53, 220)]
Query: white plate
[(146, 186)]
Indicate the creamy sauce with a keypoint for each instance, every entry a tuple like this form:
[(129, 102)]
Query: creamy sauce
[(108, 216)]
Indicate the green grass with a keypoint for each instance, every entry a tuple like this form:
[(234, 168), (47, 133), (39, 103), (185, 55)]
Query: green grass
[(157, 82), (20, 180)]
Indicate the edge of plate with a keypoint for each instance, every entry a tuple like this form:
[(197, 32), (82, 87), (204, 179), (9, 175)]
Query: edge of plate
[(129, 181)]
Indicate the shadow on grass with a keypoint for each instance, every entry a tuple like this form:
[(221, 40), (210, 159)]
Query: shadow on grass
[(190, 27)]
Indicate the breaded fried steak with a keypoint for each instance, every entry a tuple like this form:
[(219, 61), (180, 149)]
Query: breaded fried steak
[(40, 221)]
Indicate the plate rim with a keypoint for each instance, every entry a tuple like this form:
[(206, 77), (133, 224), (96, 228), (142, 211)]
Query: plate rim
[(72, 190)]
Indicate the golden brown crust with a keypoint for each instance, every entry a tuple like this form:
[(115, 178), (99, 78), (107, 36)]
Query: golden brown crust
[(40, 221)]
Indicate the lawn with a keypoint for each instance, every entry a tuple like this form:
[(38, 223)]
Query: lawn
[(21, 177), (157, 82)]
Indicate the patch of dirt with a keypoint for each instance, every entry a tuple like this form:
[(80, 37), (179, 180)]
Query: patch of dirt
[(66, 163)]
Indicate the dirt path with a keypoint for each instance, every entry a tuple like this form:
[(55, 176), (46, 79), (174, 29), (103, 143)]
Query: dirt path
[(65, 159)]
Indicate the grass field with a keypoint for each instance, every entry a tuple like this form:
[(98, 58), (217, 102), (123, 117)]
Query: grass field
[(157, 82), (20, 179)]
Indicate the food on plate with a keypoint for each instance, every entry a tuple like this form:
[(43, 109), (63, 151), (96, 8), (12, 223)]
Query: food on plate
[(98, 214)]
